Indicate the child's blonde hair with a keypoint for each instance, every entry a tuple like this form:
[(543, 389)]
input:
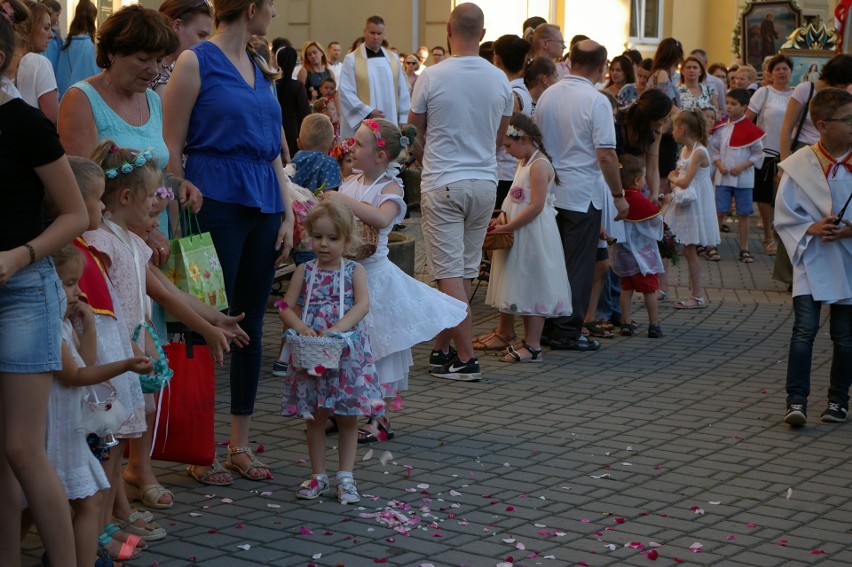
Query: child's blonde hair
[(124, 169), (389, 138), (68, 254), (85, 171), (694, 121), (342, 219), (316, 133)]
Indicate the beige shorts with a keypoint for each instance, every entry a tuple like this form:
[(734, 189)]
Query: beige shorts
[(454, 220)]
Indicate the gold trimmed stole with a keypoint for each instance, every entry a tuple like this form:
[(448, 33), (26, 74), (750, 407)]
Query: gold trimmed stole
[(362, 74)]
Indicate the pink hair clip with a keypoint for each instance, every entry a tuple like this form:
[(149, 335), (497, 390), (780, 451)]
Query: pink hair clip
[(114, 148)]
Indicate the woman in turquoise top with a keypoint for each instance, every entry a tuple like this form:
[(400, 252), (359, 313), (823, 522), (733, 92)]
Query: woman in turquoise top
[(220, 110)]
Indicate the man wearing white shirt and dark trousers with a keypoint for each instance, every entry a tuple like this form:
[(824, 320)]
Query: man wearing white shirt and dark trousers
[(460, 124), (578, 131), (372, 82)]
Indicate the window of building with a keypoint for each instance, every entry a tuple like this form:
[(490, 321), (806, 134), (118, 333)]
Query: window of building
[(646, 21)]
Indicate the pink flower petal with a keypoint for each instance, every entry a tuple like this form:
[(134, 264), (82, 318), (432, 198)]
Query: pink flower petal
[(618, 520), (817, 552), (652, 555), (260, 448), (305, 531), (510, 508), (730, 537), (751, 525)]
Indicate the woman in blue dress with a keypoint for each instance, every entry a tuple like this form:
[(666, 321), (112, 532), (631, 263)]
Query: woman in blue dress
[(220, 111)]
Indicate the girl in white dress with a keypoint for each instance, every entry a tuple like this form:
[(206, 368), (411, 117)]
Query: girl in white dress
[(403, 311), (79, 470), (692, 219), (528, 279)]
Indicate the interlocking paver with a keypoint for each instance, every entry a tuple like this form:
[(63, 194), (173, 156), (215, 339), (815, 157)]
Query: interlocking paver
[(692, 420)]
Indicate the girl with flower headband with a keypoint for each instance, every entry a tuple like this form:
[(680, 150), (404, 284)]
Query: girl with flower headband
[(403, 311), (132, 180), (528, 279), (342, 152)]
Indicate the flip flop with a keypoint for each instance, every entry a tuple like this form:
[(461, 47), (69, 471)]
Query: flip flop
[(374, 431)]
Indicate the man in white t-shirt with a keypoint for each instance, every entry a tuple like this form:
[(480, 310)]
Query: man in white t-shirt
[(372, 82), (578, 131), (332, 53), (460, 124)]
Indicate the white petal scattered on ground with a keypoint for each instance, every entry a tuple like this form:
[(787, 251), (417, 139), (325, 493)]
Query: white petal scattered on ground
[(273, 505), (194, 515), (506, 465), (266, 493), (549, 557), (540, 525), (520, 546), (789, 493), (509, 540), (385, 458), (423, 486), (715, 502), (696, 547), (455, 493), (316, 556), (601, 476), (367, 456), (611, 546), (226, 501), (505, 564), (244, 547), (629, 448)]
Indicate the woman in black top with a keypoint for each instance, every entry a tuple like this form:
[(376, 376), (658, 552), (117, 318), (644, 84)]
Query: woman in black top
[(32, 304)]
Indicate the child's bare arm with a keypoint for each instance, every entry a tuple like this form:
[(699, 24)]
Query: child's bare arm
[(73, 375), (361, 306), (379, 217), (290, 314), (216, 318), (88, 338), (684, 180), (174, 304)]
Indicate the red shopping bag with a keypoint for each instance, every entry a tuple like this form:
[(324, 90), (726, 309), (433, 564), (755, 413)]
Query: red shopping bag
[(183, 432)]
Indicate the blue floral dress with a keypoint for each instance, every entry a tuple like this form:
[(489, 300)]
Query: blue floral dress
[(354, 388)]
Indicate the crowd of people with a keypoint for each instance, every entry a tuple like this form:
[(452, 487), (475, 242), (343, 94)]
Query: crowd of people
[(586, 174)]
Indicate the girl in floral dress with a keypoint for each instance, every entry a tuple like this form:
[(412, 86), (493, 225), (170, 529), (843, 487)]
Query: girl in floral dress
[(329, 295), (528, 279)]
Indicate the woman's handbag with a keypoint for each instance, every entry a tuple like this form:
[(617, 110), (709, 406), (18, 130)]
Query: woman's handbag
[(683, 197), (500, 240), (161, 374), (796, 144)]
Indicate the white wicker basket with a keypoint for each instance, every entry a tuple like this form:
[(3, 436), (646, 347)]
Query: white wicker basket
[(310, 353)]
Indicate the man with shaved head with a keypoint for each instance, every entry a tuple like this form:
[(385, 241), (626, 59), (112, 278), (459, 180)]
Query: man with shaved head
[(461, 109), (577, 129)]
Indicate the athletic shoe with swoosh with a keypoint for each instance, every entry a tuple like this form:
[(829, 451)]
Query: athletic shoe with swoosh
[(461, 371)]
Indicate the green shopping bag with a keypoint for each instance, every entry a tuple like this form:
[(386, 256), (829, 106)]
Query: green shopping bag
[(193, 266)]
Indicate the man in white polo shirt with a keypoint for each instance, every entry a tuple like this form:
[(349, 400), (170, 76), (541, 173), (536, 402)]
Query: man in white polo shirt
[(577, 129), (461, 109)]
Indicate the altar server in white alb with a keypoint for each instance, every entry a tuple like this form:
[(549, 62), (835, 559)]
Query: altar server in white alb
[(813, 220), (372, 83)]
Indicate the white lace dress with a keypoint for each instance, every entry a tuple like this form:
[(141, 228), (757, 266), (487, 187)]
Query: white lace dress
[(696, 222), (78, 469), (530, 277), (403, 310)]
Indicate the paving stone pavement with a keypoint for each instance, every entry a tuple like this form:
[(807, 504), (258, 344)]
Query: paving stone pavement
[(647, 452)]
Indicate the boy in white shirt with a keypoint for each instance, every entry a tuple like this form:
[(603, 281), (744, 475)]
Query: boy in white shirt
[(737, 149), (812, 220)]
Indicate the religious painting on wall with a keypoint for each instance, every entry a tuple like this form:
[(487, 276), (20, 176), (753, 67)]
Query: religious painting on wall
[(765, 27)]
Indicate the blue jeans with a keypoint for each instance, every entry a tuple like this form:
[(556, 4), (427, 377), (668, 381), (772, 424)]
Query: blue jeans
[(608, 307), (806, 312), (245, 242)]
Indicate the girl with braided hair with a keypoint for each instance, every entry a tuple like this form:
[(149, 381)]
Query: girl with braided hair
[(529, 213)]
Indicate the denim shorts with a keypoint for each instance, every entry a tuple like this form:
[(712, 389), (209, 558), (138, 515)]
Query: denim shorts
[(742, 197), (32, 304)]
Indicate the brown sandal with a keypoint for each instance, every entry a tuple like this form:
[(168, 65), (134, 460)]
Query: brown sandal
[(255, 466), (492, 341)]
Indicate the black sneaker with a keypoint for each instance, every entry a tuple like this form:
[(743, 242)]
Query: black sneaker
[(458, 370), (654, 331), (797, 415), (438, 359), (834, 413)]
